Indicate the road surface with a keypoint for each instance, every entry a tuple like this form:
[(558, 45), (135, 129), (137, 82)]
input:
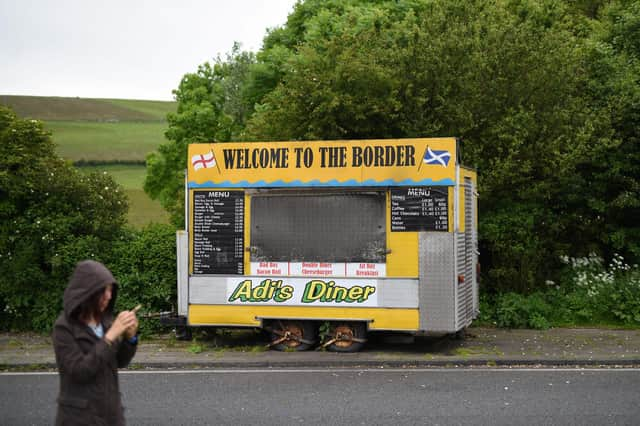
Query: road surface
[(350, 397)]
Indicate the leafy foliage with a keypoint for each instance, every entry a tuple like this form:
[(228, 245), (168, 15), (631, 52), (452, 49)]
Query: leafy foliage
[(609, 175), (210, 109), (507, 78), (590, 292), (544, 94), (605, 291), (519, 311), (144, 262), (51, 216)]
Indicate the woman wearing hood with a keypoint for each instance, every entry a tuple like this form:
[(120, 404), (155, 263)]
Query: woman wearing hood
[(90, 346)]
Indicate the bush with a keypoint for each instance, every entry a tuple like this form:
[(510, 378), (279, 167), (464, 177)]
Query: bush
[(144, 264), (519, 311), (590, 293), (487, 315), (604, 292), (51, 216)]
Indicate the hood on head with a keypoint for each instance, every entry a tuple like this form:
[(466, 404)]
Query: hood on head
[(88, 278)]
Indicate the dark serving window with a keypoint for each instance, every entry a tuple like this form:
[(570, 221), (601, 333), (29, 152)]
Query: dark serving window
[(328, 227)]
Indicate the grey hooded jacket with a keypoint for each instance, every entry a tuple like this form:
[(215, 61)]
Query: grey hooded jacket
[(88, 366)]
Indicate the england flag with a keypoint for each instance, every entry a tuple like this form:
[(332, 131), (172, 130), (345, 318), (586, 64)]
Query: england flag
[(203, 161), (436, 157)]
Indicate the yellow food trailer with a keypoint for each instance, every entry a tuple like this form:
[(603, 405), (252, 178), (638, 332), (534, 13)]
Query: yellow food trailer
[(346, 237)]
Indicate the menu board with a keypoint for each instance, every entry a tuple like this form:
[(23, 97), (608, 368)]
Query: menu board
[(420, 209), (218, 232)]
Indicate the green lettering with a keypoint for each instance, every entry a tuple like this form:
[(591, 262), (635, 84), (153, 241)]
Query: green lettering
[(242, 292), (355, 294), (368, 290), (261, 292), (283, 294), (313, 291)]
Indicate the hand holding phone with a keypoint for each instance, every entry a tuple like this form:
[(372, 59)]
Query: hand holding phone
[(132, 330)]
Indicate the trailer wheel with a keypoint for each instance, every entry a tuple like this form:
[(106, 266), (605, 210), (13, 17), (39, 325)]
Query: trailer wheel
[(183, 333), (291, 335), (346, 337), (460, 334)]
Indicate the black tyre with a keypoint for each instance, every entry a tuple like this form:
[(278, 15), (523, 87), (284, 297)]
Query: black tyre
[(460, 334), (288, 335), (347, 336), (183, 333)]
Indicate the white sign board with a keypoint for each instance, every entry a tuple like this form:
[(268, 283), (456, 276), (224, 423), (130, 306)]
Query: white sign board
[(302, 291)]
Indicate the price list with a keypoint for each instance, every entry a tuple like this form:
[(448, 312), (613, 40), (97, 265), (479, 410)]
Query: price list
[(420, 209), (218, 232)]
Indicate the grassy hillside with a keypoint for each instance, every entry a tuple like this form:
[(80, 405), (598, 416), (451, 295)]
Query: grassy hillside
[(105, 130), (80, 109), (124, 141), (156, 109), (98, 129)]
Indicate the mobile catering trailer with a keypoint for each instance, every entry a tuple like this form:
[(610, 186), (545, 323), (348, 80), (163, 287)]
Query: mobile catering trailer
[(345, 237)]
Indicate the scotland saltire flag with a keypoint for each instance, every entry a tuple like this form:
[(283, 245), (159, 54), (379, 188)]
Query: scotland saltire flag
[(436, 157)]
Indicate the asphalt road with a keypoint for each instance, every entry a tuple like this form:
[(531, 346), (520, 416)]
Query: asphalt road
[(352, 397)]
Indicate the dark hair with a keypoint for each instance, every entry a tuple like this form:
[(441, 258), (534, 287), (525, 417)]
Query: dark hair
[(90, 308)]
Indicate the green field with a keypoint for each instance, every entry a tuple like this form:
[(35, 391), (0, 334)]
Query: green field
[(142, 209), (122, 141), (105, 130), (129, 176), (155, 109), (81, 109), (98, 129)]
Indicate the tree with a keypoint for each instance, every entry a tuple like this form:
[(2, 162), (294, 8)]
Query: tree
[(544, 95), (210, 109), (610, 174), (51, 216), (506, 77)]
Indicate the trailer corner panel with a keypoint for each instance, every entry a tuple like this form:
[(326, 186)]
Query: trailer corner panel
[(436, 290)]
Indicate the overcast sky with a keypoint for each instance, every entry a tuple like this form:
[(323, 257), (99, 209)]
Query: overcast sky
[(133, 49)]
